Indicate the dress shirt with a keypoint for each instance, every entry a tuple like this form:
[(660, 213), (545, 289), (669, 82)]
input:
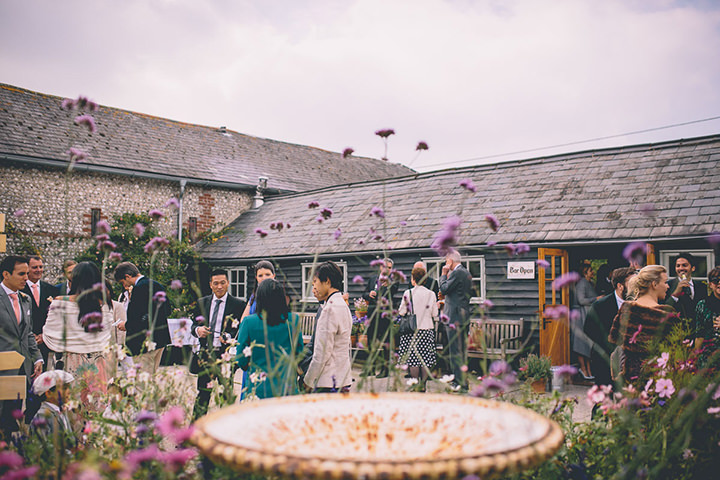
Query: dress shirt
[(619, 300), (35, 289), (8, 291), (219, 322), (692, 292)]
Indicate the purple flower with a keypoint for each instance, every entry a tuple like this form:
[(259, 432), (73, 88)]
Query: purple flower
[(156, 214), (277, 226), (160, 297), (385, 132), (565, 280), (492, 222), (326, 213), (358, 279), (499, 368), (337, 233), (107, 245), (261, 232), (421, 146), (91, 318), (377, 262), (156, 243), (27, 472), (566, 371), (319, 219), (542, 263), (17, 414), (635, 252), (176, 285), (145, 416), (86, 121), (398, 276), (347, 152), (102, 237), (173, 202), (20, 212), (468, 185), (137, 457), (446, 238), (81, 103), (491, 243), (76, 155), (561, 311), (102, 226), (178, 458), (199, 319), (313, 204), (94, 327), (444, 318), (486, 304), (139, 229), (403, 223), (10, 460), (170, 424), (647, 209), (361, 242), (378, 212), (67, 104)]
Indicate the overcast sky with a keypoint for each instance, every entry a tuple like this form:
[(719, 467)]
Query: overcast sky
[(473, 79)]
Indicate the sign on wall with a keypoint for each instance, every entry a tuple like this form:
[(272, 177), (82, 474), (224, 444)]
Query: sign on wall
[(521, 270)]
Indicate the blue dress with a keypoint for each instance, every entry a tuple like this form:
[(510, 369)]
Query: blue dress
[(275, 354)]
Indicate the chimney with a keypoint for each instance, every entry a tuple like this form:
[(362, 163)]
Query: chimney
[(259, 198)]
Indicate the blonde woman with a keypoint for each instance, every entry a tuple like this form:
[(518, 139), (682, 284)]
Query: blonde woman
[(642, 318)]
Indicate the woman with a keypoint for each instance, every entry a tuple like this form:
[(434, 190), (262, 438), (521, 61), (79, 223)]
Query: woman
[(418, 350), (275, 338), (585, 295), (707, 317), (642, 318), (263, 270), (78, 325)]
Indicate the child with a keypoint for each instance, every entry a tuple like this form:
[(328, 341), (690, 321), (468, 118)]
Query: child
[(52, 388)]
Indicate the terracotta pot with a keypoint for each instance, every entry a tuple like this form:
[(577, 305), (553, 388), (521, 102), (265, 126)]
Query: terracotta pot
[(539, 386), (364, 340), (353, 340)]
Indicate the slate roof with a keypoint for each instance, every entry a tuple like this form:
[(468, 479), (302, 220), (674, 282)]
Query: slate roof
[(34, 127), (588, 196)]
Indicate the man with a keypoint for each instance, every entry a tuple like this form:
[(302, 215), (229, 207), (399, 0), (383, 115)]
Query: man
[(222, 313), (147, 330), (41, 294), (381, 289), (329, 369), (456, 284), (64, 287), (684, 293), (599, 319), (16, 332)]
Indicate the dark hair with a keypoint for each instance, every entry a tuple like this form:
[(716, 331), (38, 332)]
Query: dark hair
[(620, 275), (86, 282), (68, 263), (219, 271), (691, 260), (37, 258), (124, 269), (330, 271), (271, 302), (266, 265), (418, 274), (584, 268), (8, 263), (714, 275)]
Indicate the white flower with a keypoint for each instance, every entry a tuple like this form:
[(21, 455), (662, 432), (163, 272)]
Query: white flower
[(235, 323), (90, 398), (257, 377), (220, 389), (447, 378), (210, 385), (411, 381), (144, 377), (663, 360), (121, 353), (131, 372), (247, 351), (150, 345)]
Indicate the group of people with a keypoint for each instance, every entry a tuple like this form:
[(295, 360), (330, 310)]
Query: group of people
[(643, 306)]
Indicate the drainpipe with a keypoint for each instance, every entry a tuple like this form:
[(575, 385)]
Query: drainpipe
[(183, 182)]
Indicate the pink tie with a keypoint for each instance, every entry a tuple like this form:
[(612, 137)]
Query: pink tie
[(16, 305), (36, 293)]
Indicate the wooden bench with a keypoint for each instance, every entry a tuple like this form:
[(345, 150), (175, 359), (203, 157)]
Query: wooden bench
[(495, 339)]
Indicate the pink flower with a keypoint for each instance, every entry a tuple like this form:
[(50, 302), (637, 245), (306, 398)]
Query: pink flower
[(663, 360), (86, 121), (565, 280), (403, 223), (156, 214), (378, 212), (421, 146), (664, 388), (156, 243), (139, 229), (648, 385), (566, 371), (76, 155), (261, 232), (176, 285), (377, 262), (337, 233), (446, 238), (492, 222), (20, 212), (160, 297), (634, 337), (713, 410), (173, 202), (102, 226), (385, 132), (468, 185), (171, 424), (347, 152), (635, 252), (10, 460), (313, 204), (560, 311), (358, 279), (178, 458), (542, 263), (595, 395), (326, 213)]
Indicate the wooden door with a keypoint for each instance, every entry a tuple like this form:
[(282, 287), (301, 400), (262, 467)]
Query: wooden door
[(554, 332)]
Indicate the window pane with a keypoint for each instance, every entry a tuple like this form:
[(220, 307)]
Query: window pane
[(475, 270)]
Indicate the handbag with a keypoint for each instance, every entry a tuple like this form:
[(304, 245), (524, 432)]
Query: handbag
[(408, 322)]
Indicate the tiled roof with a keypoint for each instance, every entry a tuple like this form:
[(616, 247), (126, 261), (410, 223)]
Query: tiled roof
[(33, 125), (650, 191)]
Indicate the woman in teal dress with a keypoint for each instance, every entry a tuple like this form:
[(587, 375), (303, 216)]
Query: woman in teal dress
[(707, 321), (273, 338)]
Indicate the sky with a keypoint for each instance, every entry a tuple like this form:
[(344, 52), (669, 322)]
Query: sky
[(478, 81)]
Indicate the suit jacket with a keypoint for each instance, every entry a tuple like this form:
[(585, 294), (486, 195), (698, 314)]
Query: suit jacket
[(379, 325), (18, 337), (138, 320), (457, 288), (599, 320), (685, 305), (233, 307), (63, 288), (40, 312)]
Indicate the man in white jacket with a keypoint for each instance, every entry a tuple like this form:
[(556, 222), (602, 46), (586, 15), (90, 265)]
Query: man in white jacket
[(329, 370)]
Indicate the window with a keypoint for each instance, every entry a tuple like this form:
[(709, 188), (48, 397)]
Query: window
[(308, 270), (476, 267), (237, 277), (704, 259), (94, 219)]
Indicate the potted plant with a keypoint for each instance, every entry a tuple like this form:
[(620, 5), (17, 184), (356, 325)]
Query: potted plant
[(536, 370), (361, 307), (358, 329)]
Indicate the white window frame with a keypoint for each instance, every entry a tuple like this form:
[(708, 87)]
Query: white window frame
[(306, 268), (709, 256), (239, 286), (435, 264)]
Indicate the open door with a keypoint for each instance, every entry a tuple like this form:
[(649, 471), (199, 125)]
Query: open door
[(554, 332)]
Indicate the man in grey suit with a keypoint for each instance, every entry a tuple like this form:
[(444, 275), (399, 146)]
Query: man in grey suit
[(456, 284), (16, 331)]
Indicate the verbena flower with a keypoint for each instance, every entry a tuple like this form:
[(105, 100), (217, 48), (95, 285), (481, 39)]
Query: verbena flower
[(76, 155), (313, 204), (421, 146), (377, 262), (385, 133), (358, 279), (378, 212), (347, 152), (156, 214), (468, 185), (176, 285), (160, 297), (155, 244), (326, 213), (173, 202), (635, 252), (446, 238), (86, 121), (261, 232), (139, 229), (492, 222), (337, 233), (566, 371), (542, 263), (565, 280), (145, 416)]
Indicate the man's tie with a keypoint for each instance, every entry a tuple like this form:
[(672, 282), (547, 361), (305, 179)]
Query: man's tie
[(16, 305), (36, 293), (213, 322)]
